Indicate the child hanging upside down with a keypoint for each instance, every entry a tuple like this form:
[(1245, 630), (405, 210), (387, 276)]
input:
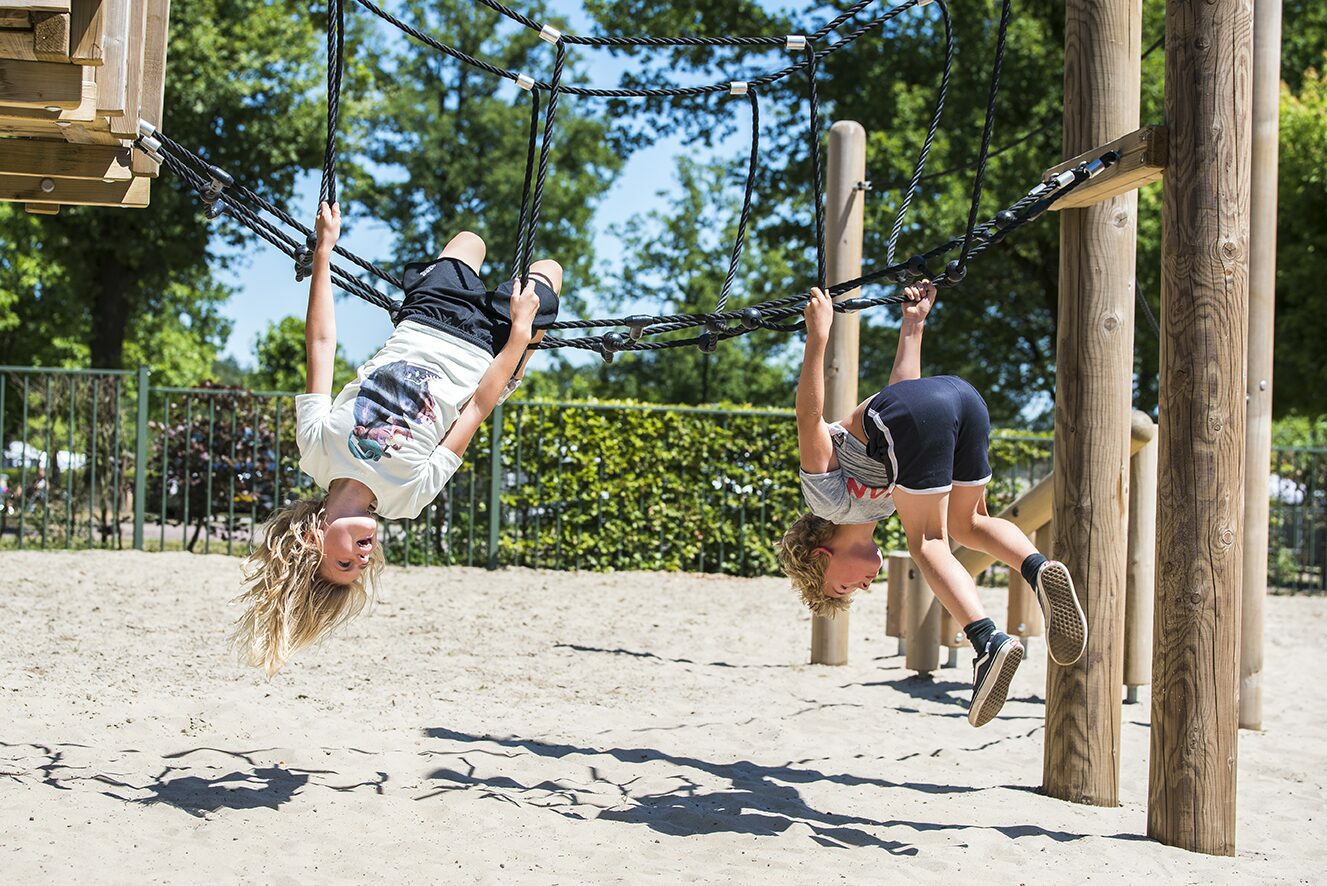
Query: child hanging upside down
[(918, 446), (391, 440)]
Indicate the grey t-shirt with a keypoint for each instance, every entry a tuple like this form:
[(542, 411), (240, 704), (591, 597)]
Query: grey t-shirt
[(859, 491)]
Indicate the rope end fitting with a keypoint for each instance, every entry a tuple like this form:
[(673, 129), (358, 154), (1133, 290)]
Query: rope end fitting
[(146, 129), (738, 87), (150, 146), (550, 34), (525, 81), (796, 42), (921, 3)]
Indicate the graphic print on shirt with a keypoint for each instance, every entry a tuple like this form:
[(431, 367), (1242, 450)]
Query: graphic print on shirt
[(390, 398), (857, 489)]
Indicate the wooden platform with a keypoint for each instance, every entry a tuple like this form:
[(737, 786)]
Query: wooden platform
[(76, 76)]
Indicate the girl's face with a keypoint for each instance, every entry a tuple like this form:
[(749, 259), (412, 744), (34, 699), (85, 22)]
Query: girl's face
[(347, 544)]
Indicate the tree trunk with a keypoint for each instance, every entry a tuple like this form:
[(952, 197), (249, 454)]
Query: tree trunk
[(111, 297)]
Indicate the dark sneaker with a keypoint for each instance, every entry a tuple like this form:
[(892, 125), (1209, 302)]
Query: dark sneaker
[(991, 676), (1066, 628)]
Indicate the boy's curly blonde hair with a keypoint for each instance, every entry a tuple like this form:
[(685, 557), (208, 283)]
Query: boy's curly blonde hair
[(287, 604), (806, 570)]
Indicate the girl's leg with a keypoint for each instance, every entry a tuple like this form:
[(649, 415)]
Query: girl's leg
[(973, 527), (467, 247), (925, 521)]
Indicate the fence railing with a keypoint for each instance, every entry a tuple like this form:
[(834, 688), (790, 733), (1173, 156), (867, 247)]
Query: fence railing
[(549, 485)]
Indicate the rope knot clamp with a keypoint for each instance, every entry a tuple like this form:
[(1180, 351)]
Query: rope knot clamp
[(525, 81), (636, 324), (751, 317), (796, 42), (738, 87), (955, 272), (216, 207), (304, 259), (220, 180), (150, 146), (708, 341), (1004, 218), (550, 34), (615, 341), (916, 267)]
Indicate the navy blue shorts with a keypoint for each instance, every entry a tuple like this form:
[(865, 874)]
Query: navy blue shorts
[(932, 433), (447, 294)]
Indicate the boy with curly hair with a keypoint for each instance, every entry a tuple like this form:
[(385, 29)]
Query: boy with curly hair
[(918, 447)]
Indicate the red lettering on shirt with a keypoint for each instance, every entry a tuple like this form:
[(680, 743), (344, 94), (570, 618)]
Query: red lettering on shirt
[(857, 490)]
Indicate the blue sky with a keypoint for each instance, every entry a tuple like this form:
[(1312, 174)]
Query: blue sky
[(264, 279)]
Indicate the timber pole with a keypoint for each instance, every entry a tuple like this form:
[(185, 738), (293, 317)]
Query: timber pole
[(843, 258), (1200, 481), (1262, 309), (1093, 404)]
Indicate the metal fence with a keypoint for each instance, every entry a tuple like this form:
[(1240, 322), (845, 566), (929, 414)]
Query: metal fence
[(546, 485)]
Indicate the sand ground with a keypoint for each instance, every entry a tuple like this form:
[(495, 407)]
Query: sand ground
[(543, 727)]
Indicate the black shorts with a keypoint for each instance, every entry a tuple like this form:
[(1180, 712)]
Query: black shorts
[(932, 433), (448, 295)]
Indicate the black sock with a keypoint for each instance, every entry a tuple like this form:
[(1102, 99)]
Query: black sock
[(1031, 566), (978, 633)]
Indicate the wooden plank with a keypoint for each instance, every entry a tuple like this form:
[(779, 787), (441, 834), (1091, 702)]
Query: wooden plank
[(111, 76), (50, 36), (126, 124), (18, 45), (1143, 155), (91, 134), (86, 24), (42, 208), (85, 112), (35, 6), (63, 160), (11, 19), (154, 77), (40, 84), (75, 192)]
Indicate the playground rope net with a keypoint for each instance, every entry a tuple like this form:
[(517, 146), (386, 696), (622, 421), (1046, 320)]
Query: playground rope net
[(222, 195)]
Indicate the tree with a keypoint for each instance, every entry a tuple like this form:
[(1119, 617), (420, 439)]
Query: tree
[(123, 285), (279, 352)]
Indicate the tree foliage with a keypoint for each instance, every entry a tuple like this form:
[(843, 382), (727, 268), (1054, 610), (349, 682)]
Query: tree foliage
[(280, 357)]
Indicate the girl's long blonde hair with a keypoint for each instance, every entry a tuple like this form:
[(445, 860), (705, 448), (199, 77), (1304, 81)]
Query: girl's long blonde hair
[(287, 605)]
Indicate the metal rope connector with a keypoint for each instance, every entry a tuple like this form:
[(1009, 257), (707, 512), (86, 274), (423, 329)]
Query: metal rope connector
[(738, 87), (636, 324), (921, 3), (550, 34), (150, 146), (304, 259), (146, 129), (525, 81), (863, 185), (796, 42)]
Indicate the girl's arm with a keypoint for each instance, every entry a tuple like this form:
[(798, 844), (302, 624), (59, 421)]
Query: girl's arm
[(320, 318), (908, 358), (815, 450), (524, 306)]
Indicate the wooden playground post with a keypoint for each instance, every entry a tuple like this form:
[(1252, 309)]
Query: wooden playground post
[(844, 172), (1023, 618), (1200, 478), (1141, 575), (1093, 402), (1262, 308), (896, 624), (922, 612)]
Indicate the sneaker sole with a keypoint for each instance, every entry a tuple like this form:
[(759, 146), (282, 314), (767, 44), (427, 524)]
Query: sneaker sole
[(992, 694), (1066, 626)]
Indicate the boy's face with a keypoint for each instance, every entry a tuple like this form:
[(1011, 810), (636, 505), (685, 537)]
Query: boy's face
[(347, 544), (849, 567)]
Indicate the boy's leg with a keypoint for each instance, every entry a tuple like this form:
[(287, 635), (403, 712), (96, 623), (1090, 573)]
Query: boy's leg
[(973, 527), (925, 518), (467, 247), (551, 273)]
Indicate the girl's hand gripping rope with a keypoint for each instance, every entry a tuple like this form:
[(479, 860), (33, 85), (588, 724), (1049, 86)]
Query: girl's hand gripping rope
[(920, 299), (328, 225), (819, 314)]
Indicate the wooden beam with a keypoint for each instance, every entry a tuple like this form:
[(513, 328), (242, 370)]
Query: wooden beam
[(1143, 155), (154, 77), (50, 36), (112, 76), (74, 192), (18, 45), (90, 134), (12, 19), (40, 84), (42, 208), (85, 112), (1200, 476), (35, 6), (86, 24), (126, 125), (63, 160)]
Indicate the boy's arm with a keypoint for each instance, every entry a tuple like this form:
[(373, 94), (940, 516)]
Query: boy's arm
[(815, 450), (320, 318), (908, 357)]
